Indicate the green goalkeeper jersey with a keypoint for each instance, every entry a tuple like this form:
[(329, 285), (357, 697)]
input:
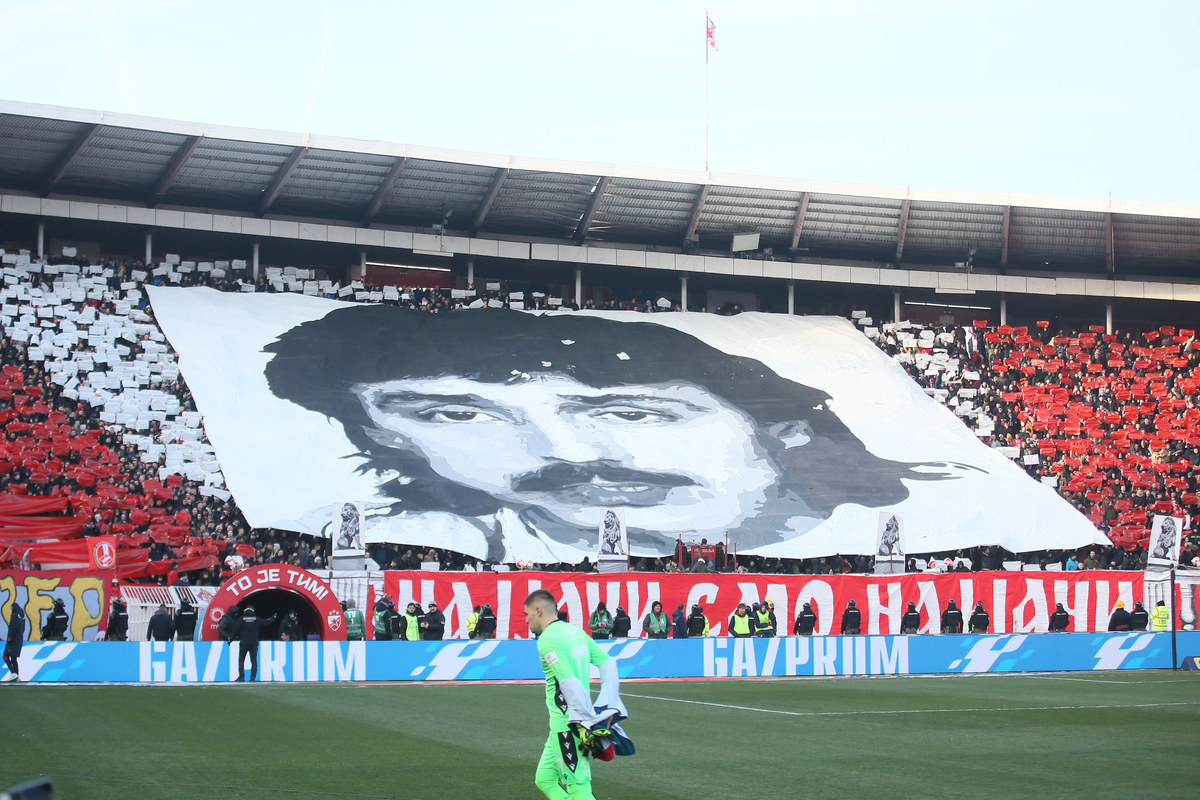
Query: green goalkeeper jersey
[(565, 652)]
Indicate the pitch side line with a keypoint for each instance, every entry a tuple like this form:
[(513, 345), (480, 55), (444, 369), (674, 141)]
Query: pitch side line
[(902, 711), (201, 785), (1098, 680)]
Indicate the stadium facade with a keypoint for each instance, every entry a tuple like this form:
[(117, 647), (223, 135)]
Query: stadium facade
[(127, 186)]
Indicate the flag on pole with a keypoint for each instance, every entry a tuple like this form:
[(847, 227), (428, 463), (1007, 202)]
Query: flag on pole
[(711, 33)]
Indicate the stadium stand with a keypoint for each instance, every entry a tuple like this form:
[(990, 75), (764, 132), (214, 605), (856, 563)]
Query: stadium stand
[(97, 414), (100, 426), (1109, 419)]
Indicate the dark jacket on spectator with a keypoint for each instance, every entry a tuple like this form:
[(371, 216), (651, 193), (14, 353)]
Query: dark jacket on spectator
[(16, 630), (1139, 618), (185, 622), (290, 627), (435, 625), (396, 624), (230, 626), (851, 620), (249, 630), (118, 623), (806, 622), (55, 629), (621, 624), (161, 627), (485, 628), (952, 620), (679, 622), (1120, 620)]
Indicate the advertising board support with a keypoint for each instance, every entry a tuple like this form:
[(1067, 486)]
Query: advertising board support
[(1174, 625)]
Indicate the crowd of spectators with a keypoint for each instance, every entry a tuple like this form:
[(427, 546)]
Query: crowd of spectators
[(1112, 421), (94, 409), (434, 300)]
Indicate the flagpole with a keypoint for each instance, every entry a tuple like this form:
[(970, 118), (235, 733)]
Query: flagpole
[(706, 91)]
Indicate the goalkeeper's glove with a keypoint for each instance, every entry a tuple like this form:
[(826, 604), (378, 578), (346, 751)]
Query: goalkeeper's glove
[(594, 742)]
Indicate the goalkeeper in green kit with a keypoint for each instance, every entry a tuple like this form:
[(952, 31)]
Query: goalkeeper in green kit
[(579, 730)]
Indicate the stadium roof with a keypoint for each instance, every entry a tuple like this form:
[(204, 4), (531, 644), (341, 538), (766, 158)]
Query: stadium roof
[(54, 151)]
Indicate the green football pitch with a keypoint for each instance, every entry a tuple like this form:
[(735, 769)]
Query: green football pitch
[(1094, 735)]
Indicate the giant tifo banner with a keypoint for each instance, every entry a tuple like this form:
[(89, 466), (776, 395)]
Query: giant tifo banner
[(84, 596), (1017, 602), (510, 435), (287, 662)]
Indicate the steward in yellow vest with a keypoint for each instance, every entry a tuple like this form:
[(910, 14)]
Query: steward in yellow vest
[(1160, 618), (472, 623), (739, 623)]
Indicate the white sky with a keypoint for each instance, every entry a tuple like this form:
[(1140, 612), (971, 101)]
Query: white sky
[(1067, 98)]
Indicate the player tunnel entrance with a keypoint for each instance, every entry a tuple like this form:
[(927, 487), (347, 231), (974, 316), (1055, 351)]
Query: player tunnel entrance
[(276, 589), (279, 602)]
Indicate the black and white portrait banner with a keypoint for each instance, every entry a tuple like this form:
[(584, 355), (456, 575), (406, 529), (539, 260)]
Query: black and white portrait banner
[(1166, 537), (509, 434), (889, 543), (613, 538), (346, 527)]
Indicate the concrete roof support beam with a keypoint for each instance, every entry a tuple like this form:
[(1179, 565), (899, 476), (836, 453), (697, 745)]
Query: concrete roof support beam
[(489, 197), (903, 229), (1110, 245), (281, 179), (382, 191), (589, 212), (798, 222), (172, 170), (69, 156), (694, 219), (1005, 226)]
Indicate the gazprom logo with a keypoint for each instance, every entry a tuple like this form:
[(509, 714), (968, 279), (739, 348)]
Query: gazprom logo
[(986, 652), (1114, 651), (35, 657), (452, 659)]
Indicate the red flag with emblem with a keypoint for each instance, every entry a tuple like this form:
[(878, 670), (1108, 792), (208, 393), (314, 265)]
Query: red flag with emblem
[(102, 552)]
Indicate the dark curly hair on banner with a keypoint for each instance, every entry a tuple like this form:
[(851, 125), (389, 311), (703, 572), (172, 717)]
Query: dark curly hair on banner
[(317, 364)]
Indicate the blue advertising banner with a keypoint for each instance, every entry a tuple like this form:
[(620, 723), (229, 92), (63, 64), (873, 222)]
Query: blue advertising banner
[(713, 657)]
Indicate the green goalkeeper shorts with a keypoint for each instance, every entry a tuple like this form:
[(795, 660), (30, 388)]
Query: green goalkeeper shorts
[(561, 754)]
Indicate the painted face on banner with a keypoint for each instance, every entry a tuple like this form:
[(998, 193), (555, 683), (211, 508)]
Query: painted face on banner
[(675, 456)]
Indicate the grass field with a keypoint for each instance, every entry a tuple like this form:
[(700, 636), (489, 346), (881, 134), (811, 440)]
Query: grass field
[(1119, 735)]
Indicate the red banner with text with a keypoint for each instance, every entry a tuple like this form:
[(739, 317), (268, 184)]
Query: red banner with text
[(1018, 602)]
